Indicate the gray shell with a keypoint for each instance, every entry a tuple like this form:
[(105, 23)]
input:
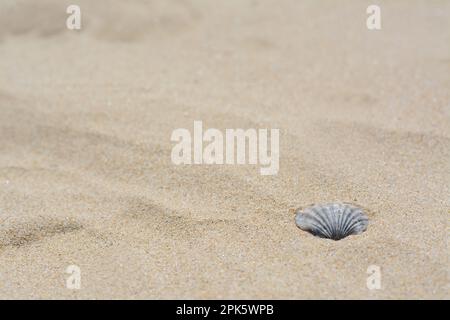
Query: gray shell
[(333, 221)]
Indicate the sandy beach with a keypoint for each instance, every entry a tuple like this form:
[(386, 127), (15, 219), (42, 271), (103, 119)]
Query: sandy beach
[(86, 176)]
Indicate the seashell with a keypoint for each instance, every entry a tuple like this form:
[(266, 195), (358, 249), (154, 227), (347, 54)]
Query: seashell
[(332, 221)]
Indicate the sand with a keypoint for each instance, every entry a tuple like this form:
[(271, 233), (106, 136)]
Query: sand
[(86, 176)]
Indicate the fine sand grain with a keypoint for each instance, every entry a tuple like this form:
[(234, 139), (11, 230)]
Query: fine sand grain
[(86, 176)]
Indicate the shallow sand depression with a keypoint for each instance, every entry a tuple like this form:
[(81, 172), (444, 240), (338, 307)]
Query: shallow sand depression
[(86, 176)]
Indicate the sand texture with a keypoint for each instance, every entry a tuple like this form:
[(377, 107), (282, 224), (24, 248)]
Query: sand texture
[(86, 176)]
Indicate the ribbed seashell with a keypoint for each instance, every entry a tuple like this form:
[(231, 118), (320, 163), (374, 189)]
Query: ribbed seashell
[(333, 221)]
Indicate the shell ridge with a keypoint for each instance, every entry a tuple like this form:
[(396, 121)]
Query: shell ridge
[(341, 217), (348, 220), (324, 220), (333, 213), (317, 225), (354, 215), (320, 226), (330, 216), (360, 222), (311, 223)]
